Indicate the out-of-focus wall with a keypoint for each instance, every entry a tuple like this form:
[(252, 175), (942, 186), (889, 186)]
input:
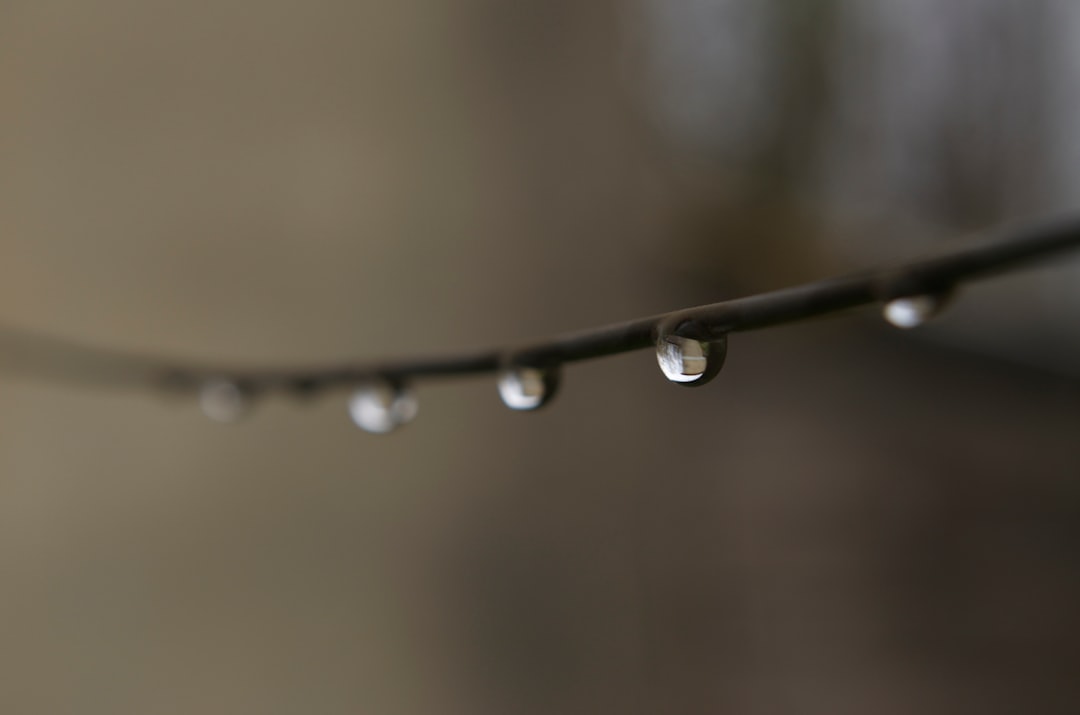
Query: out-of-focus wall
[(841, 133), (846, 521)]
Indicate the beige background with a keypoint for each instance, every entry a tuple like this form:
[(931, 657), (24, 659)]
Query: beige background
[(848, 521)]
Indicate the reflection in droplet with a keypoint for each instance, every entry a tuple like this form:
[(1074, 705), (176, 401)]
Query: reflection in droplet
[(913, 310), (690, 362), (527, 388), (223, 400), (381, 407)]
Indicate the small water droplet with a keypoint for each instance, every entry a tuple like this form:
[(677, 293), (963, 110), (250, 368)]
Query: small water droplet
[(527, 388), (381, 407), (911, 311), (690, 362), (224, 400)]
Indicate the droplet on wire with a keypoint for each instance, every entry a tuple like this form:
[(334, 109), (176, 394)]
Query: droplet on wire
[(527, 388), (690, 362), (911, 311), (224, 400), (381, 407)]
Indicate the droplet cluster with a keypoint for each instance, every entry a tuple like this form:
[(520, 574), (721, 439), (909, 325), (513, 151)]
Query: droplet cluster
[(689, 351)]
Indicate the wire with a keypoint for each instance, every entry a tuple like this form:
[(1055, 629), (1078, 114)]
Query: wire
[(690, 343)]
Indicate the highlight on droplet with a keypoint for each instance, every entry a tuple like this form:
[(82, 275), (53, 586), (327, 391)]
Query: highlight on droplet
[(690, 362), (527, 388), (223, 400), (381, 407), (911, 311)]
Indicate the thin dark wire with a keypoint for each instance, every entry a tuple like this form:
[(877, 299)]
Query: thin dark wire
[(935, 274)]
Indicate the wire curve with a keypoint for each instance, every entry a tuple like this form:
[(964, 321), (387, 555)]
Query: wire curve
[(911, 292)]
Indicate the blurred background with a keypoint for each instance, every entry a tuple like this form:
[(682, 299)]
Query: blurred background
[(849, 520)]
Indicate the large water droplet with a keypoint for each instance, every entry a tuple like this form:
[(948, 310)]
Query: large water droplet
[(913, 310), (528, 388), (223, 400), (690, 362), (381, 407)]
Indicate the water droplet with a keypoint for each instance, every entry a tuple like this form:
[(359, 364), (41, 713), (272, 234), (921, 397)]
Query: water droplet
[(690, 362), (381, 407), (224, 400), (911, 311), (527, 388)]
